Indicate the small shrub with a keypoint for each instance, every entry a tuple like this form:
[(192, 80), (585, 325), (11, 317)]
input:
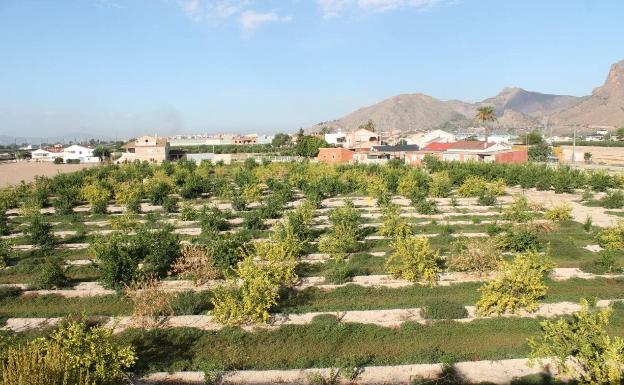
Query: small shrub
[(253, 220), (338, 271), (472, 186), (97, 195), (413, 259), (191, 303), (40, 232), (51, 275), (151, 304), (440, 185), (9, 292), (469, 254), (587, 195), (562, 212), (613, 200), (486, 199), (188, 212), (73, 354), (519, 211), (520, 238), (587, 225), (196, 264), (518, 286), (612, 238), (581, 347), (170, 204), (444, 309)]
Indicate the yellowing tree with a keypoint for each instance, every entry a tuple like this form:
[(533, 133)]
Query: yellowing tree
[(97, 195), (612, 238), (393, 224), (581, 348), (561, 212), (478, 255), (74, 354), (413, 259), (250, 301), (519, 285)]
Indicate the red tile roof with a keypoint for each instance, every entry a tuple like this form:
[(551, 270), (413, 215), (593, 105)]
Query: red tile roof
[(436, 147), (469, 145)]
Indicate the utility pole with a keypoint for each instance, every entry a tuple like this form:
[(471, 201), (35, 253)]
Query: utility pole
[(574, 147)]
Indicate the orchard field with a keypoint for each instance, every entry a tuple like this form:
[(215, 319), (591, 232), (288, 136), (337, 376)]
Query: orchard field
[(310, 273)]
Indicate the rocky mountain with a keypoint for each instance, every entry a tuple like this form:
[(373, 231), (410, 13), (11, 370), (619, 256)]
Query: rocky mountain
[(604, 107), (408, 112), (516, 109), (530, 103)]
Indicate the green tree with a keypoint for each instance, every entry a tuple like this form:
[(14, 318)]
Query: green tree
[(97, 195), (539, 152), (519, 285), (486, 115), (369, 125), (308, 146), (281, 140), (581, 347), (413, 259), (533, 138), (102, 152)]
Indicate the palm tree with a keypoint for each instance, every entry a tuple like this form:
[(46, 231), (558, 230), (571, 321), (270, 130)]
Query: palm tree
[(486, 114)]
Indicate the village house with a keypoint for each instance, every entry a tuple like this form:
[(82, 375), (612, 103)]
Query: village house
[(146, 148), (362, 139), (42, 155), (338, 139), (335, 155), (467, 151), (79, 154), (421, 139)]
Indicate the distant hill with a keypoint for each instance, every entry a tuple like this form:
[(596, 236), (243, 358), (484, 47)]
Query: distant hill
[(516, 109), (604, 107)]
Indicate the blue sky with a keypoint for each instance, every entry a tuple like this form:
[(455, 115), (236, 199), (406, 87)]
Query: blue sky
[(123, 67)]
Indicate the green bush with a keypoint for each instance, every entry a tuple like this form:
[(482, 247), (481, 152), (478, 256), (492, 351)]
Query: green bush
[(338, 271), (40, 232), (191, 303), (253, 220), (51, 275), (444, 309), (9, 292), (487, 199), (170, 204), (520, 238), (613, 200)]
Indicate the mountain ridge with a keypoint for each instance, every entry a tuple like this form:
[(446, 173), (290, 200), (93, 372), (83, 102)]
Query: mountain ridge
[(516, 108)]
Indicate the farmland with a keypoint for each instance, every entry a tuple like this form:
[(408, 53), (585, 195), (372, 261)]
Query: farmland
[(228, 271)]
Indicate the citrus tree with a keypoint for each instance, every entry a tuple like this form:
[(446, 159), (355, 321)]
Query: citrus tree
[(581, 347), (97, 195), (478, 255), (413, 259), (519, 285), (73, 354)]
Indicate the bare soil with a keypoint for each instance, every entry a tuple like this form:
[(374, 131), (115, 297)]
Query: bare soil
[(13, 173)]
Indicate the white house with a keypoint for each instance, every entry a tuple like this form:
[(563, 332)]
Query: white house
[(338, 138), (80, 154), (43, 156), (435, 136)]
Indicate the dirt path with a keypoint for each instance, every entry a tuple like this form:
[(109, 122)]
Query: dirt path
[(497, 372), (384, 318), (579, 212), (13, 173)]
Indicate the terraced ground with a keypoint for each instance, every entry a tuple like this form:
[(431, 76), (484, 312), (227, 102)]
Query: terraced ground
[(365, 318)]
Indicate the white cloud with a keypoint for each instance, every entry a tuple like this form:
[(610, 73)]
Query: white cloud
[(251, 20), (217, 11), (332, 8), (335, 8)]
